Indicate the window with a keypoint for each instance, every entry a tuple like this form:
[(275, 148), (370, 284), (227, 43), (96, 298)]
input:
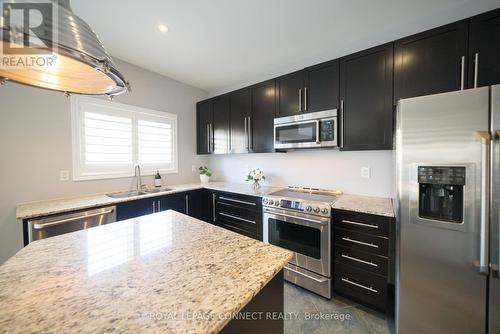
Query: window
[(109, 139)]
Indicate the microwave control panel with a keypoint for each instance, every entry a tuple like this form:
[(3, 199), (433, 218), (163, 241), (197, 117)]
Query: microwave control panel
[(327, 130)]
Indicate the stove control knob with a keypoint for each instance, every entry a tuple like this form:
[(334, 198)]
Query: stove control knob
[(316, 209), (309, 208), (277, 203), (271, 202), (264, 201), (325, 211)]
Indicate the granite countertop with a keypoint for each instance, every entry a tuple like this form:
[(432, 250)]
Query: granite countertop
[(189, 274), (366, 204), (54, 206), (373, 205)]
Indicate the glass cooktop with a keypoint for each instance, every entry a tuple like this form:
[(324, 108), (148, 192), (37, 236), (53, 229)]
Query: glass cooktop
[(308, 194)]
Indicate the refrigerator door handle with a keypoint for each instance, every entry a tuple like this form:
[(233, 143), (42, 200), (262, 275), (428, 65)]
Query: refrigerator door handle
[(484, 264), (495, 177)]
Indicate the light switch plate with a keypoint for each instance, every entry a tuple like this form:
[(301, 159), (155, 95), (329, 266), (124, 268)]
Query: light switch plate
[(193, 168), (365, 172), (64, 175)]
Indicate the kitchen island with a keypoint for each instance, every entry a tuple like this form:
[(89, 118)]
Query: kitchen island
[(160, 273)]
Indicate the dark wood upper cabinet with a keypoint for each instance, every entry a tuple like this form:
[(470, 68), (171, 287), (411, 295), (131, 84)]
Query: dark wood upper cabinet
[(484, 49), (366, 93), (204, 124), (262, 121), (431, 62), (241, 114), (221, 124), (290, 96), (321, 90)]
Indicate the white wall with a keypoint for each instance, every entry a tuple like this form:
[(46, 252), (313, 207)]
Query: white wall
[(317, 168), (35, 143)]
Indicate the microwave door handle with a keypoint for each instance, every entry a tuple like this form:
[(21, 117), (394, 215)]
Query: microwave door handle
[(318, 137), (485, 139)]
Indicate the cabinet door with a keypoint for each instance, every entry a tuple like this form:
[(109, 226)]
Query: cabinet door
[(137, 208), (431, 62), (366, 97), (241, 113), (322, 87), (221, 125), (484, 48), (199, 205), (204, 123), (176, 202), (291, 90), (262, 121)]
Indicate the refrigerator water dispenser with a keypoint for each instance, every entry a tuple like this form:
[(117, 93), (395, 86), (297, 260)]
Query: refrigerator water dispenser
[(441, 193)]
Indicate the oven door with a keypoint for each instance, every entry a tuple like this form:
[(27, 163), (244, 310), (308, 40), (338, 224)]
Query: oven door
[(307, 236)]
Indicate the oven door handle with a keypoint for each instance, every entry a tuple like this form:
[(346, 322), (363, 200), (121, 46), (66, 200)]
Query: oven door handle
[(319, 222), (318, 135), (322, 280)]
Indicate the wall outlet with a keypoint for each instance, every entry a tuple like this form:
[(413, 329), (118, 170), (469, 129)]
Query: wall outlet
[(365, 172), (64, 175)]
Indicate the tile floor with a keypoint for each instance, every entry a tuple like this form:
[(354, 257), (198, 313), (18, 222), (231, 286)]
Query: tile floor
[(349, 317)]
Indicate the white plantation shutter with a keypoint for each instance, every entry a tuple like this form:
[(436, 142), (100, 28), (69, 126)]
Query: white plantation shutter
[(109, 139)]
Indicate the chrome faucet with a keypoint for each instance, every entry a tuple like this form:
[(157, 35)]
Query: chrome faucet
[(138, 177)]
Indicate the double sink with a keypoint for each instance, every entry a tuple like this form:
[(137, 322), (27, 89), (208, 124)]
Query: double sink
[(134, 193)]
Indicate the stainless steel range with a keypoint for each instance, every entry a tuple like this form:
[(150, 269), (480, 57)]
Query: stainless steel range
[(299, 219)]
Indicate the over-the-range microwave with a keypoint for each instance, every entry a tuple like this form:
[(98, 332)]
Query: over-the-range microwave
[(312, 130)]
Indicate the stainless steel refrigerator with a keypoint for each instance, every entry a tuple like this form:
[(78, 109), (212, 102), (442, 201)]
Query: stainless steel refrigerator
[(448, 179)]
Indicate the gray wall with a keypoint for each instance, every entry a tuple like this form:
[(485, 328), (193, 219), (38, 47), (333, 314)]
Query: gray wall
[(317, 168), (35, 143)]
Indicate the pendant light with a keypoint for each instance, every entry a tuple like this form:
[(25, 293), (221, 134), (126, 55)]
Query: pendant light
[(79, 62)]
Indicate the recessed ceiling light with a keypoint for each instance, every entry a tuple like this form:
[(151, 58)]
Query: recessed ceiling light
[(162, 28)]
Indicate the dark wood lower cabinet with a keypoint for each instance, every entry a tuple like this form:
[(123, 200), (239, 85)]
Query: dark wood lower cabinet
[(364, 258), (238, 213), (266, 308)]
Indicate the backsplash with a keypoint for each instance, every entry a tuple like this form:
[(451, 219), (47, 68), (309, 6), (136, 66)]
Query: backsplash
[(318, 168)]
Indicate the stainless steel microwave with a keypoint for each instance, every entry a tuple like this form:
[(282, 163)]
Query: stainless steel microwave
[(312, 130)]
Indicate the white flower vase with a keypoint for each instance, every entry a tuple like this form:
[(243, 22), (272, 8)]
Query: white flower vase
[(256, 185), (204, 178)]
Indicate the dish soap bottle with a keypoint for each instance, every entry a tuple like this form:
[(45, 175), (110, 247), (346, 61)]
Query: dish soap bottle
[(157, 179)]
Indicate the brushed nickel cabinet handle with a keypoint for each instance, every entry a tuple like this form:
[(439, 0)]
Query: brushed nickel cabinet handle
[(237, 218), (360, 242), (305, 98), (369, 288), (342, 123), (359, 224), (187, 204), (250, 134), (213, 207), (236, 201), (300, 99), (476, 69), (345, 256), (154, 209), (462, 73)]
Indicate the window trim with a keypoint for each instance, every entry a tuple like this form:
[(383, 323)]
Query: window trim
[(134, 111)]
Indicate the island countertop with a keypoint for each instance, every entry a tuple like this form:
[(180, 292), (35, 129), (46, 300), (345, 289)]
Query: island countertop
[(164, 272)]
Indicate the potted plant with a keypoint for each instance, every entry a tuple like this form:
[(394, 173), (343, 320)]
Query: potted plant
[(205, 174), (256, 176)]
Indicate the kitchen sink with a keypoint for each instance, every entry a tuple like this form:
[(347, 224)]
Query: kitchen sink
[(133, 193), (156, 190), (126, 194)]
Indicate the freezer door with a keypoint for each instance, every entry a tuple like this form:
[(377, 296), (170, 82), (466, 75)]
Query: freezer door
[(439, 287), (494, 298)]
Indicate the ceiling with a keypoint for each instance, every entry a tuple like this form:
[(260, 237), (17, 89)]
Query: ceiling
[(219, 45)]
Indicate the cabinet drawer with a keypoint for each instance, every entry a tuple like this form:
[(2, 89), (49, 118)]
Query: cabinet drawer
[(243, 225), (361, 286), (249, 202), (362, 222), (360, 241), (369, 262)]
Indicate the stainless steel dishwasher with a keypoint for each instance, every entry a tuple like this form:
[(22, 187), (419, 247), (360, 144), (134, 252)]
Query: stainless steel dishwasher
[(47, 227)]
